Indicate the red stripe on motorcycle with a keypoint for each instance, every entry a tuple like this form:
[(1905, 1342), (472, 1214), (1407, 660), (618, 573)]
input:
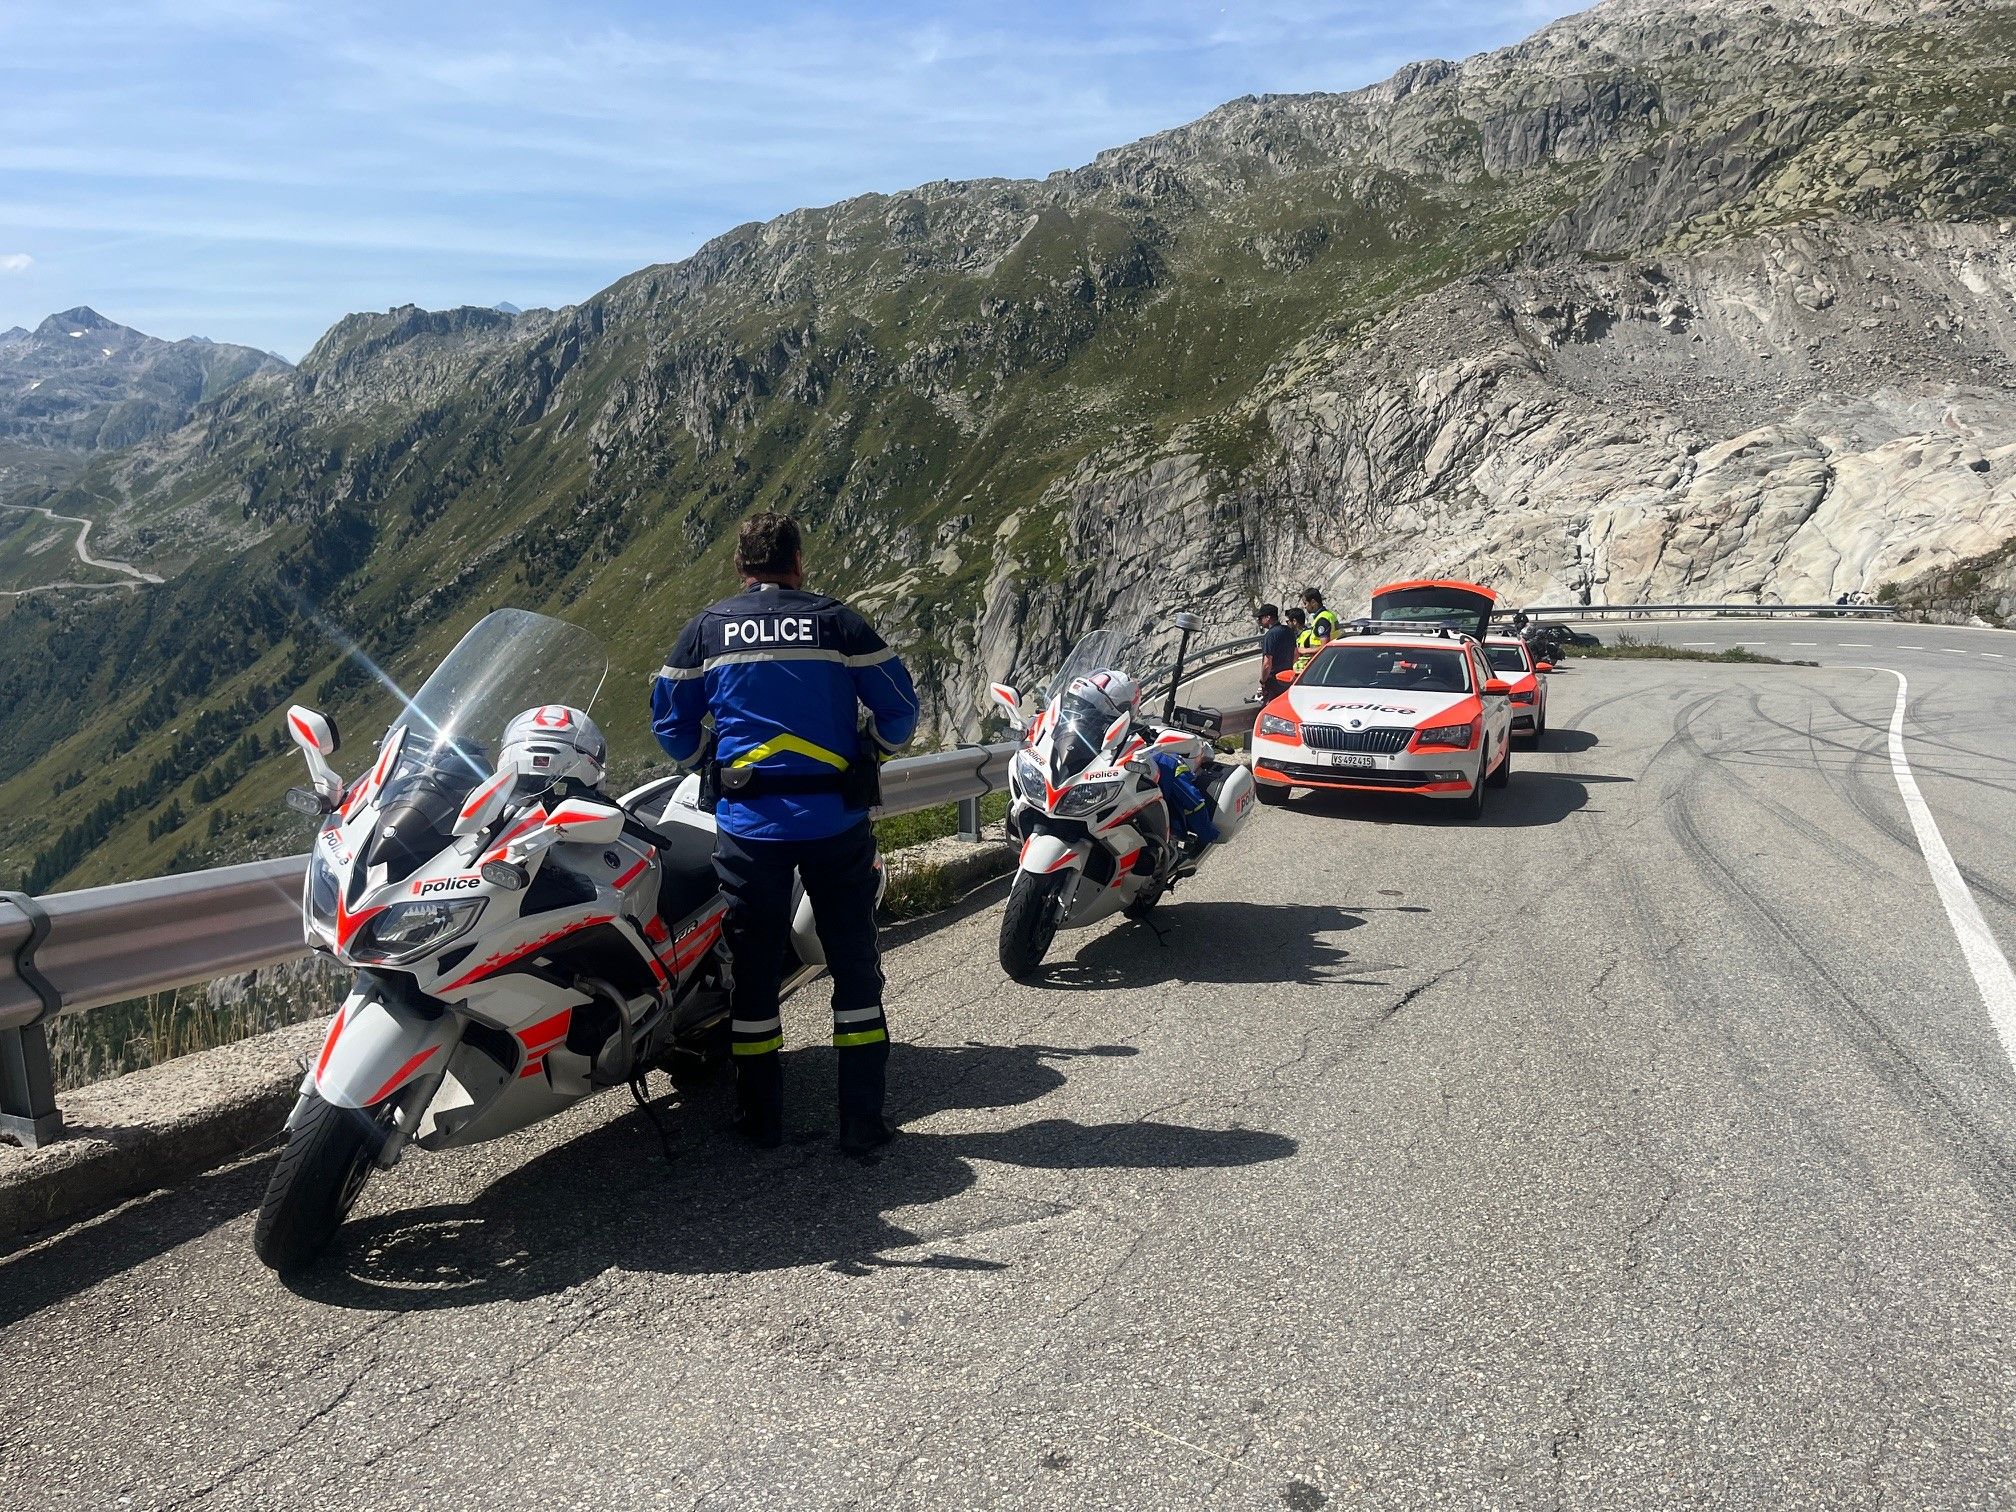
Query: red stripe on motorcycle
[(329, 1044), (631, 875), (544, 1033), (499, 962), (398, 1077)]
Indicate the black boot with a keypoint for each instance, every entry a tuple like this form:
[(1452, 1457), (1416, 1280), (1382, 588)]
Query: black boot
[(862, 1132)]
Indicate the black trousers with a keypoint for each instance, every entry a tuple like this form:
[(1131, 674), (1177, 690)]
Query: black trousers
[(840, 878)]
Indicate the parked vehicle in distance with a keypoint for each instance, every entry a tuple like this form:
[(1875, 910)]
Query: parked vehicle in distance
[(1389, 708), (1512, 659)]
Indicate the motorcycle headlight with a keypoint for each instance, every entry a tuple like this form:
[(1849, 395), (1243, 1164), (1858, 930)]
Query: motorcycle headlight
[(1087, 797), (1025, 774), (1274, 724), (321, 890), (406, 931), (1446, 735)]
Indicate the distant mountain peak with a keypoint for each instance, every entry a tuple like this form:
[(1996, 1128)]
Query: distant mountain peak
[(505, 307)]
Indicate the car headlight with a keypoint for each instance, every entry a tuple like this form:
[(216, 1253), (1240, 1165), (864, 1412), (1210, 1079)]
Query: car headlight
[(1087, 797), (1447, 735), (321, 890), (1025, 774), (408, 930), (1274, 724)]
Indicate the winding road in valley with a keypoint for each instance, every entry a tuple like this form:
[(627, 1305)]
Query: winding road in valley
[(82, 546), (1649, 1142)]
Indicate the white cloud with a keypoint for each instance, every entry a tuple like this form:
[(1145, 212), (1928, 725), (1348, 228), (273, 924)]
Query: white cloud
[(15, 262)]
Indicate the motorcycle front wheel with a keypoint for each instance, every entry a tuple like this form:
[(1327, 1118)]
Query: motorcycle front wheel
[(1029, 923), (327, 1159)]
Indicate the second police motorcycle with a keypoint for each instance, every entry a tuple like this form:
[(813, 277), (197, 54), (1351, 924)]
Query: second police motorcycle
[(1087, 800)]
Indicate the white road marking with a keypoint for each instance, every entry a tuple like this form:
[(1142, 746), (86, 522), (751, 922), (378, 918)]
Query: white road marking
[(1992, 975), (1858, 645), (1697, 643), (1802, 643), (1996, 654), (1907, 646), (1954, 650)]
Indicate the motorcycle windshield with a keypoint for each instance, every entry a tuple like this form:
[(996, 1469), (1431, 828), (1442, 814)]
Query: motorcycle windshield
[(1099, 651), (510, 661), (1078, 738)]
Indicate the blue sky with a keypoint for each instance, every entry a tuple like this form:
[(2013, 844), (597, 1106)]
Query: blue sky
[(251, 170)]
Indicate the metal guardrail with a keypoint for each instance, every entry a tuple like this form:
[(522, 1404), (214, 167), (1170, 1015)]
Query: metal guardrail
[(1681, 611)]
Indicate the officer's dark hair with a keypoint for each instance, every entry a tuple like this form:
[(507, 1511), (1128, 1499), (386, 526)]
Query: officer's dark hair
[(769, 543), (1297, 617), (1313, 593), (1267, 609)]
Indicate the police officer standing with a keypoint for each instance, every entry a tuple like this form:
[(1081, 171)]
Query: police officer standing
[(784, 673), (1322, 622)]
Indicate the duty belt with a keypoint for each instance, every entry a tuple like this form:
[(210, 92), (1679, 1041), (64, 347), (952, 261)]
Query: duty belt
[(756, 782)]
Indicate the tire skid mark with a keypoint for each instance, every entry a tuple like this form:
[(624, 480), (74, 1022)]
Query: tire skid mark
[(1978, 1154)]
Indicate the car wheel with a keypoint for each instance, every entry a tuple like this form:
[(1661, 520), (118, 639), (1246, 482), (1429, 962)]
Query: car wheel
[(1504, 773), (1270, 794), (1540, 728), (1471, 805)]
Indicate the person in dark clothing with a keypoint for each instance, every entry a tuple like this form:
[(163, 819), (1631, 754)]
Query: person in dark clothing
[(1277, 649), (784, 674)]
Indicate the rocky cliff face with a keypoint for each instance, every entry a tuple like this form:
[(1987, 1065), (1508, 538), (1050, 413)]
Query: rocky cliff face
[(1671, 300)]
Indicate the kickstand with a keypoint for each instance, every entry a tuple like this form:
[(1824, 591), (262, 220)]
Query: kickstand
[(638, 1087)]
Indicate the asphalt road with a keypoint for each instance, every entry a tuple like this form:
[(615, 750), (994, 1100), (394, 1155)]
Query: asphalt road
[(1646, 1144)]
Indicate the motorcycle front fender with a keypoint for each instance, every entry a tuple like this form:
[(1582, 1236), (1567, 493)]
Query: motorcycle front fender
[(377, 1045), (1048, 855)]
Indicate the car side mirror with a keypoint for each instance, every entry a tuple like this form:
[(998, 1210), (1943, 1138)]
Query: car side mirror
[(1543, 666), (1497, 687), (1287, 675)]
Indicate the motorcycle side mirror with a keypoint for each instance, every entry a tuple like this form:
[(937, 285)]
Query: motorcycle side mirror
[(1009, 700), (315, 733), (483, 806), (581, 823), (1116, 729), (312, 730), (1497, 687)]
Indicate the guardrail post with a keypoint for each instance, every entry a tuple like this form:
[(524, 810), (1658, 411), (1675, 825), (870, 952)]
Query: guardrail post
[(28, 1112), (969, 818)]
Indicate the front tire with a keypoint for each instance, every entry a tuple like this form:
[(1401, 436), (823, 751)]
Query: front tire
[(1029, 923), (327, 1159), (1503, 775), (1471, 805), (1270, 794)]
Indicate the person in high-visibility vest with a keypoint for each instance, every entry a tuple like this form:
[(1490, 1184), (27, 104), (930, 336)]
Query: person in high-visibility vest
[(1306, 643), (1322, 623)]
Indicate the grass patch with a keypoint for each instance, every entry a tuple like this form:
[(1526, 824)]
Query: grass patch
[(899, 831), (1631, 648)]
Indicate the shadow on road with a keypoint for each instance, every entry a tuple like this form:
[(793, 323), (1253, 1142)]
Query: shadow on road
[(1218, 941), (610, 1199), (1531, 798), (1560, 740)]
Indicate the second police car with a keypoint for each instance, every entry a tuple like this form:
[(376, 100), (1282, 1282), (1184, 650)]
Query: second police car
[(1403, 702), (1512, 659)]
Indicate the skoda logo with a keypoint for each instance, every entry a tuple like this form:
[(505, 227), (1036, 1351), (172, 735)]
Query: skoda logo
[(1357, 724)]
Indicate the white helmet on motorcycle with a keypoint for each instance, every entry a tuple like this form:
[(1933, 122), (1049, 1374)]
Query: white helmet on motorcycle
[(552, 742), (1110, 691)]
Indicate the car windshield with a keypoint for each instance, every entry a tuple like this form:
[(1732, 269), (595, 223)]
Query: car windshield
[(1418, 669), (1508, 658)]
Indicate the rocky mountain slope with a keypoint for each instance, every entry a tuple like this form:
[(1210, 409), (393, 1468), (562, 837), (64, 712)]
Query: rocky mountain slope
[(80, 382), (1670, 300)]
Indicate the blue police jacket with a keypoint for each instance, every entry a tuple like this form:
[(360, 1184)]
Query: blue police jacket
[(782, 672)]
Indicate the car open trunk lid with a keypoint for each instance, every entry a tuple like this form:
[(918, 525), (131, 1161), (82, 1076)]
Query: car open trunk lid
[(1429, 601)]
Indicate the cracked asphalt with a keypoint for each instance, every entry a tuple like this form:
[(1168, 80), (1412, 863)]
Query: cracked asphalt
[(1646, 1144)]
